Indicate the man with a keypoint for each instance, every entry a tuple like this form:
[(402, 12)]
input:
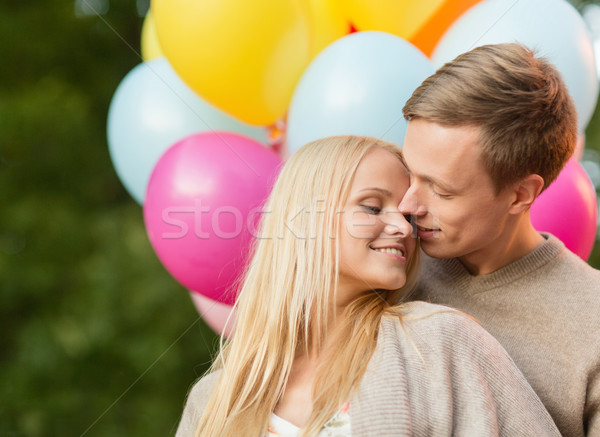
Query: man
[(486, 134)]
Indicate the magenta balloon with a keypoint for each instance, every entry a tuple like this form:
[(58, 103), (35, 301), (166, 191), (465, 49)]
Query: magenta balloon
[(214, 313), (202, 207), (568, 209), (579, 147)]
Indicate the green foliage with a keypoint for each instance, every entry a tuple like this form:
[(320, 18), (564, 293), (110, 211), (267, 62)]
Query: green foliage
[(97, 338), (95, 331)]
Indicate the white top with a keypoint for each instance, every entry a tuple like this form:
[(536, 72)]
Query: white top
[(338, 425)]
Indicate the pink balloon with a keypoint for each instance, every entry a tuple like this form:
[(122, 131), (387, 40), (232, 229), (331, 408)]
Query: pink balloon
[(579, 147), (214, 313), (202, 207), (568, 209)]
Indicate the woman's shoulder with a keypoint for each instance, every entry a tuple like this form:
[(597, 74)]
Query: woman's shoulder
[(202, 388), (425, 315), (453, 363), (439, 325), (197, 399)]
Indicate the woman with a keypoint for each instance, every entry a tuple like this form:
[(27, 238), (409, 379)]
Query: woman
[(321, 344)]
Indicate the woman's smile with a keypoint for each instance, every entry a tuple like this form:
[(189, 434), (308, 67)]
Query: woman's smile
[(371, 219)]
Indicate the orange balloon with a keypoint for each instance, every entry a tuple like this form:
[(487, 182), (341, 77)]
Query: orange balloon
[(399, 17), (422, 23), (427, 37)]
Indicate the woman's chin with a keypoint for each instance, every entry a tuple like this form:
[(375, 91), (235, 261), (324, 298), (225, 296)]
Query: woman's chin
[(393, 285)]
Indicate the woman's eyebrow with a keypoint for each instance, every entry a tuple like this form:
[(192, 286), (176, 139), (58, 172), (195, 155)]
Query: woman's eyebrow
[(381, 190)]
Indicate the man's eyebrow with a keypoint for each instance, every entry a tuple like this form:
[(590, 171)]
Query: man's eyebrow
[(440, 184), (381, 190)]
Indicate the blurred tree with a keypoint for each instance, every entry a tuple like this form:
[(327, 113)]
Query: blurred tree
[(97, 338), (95, 335)]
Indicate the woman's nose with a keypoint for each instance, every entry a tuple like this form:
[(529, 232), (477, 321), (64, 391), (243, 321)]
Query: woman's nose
[(397, 224)]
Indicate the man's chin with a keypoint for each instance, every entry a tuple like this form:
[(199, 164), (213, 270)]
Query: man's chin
[(436, 249)]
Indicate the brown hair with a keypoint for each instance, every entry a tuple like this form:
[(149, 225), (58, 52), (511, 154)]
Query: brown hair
[(527, 119)]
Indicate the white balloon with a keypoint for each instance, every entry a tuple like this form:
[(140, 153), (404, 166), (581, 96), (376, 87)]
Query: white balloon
[(552, 28)]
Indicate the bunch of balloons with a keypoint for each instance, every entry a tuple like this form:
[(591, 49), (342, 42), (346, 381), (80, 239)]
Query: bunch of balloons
[(227, 90)]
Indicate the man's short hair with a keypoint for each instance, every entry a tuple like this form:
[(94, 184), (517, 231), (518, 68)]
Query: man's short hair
[(527, 118)]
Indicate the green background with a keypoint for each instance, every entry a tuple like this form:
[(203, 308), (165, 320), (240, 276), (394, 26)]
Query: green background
[(96, 338)]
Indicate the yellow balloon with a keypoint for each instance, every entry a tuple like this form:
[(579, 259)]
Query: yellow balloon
[(149, 41), (328, 23), (400, 17), (242, 56)]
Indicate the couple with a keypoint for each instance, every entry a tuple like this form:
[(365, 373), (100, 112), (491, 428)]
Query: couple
[(327, 340)]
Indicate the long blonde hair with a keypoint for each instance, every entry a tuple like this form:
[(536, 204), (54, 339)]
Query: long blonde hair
[(283, 303)]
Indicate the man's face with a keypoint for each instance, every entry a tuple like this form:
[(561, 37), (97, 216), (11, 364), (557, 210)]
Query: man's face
[(451, 195)]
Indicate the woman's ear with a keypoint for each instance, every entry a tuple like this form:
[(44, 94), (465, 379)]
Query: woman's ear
[(526, 191)]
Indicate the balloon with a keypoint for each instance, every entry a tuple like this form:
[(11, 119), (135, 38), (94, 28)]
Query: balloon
[(432, 30), (591, 16), (579, 147), (244, 57), (422, 23), (357, 85), (202, 206), (149, 41), (568, 209), (553, 28), (214, 313), (151, 110), (328, 23), (399, 17)]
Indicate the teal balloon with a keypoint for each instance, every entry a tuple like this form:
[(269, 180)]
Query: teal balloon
[(552, 28), (357, 86), (151, 110)]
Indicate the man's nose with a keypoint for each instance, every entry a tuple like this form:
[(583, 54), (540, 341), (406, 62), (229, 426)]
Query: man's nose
[(409, 204)]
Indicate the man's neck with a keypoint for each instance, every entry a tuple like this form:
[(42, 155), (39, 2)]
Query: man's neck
[(510, 246)]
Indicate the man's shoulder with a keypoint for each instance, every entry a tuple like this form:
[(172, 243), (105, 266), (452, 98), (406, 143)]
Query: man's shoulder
[(573, 263)]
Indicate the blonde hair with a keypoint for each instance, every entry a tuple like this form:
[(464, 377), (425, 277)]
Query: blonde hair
[(283, 302), (527, 118)]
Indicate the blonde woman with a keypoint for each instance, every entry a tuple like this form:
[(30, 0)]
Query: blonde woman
[(321, 345)]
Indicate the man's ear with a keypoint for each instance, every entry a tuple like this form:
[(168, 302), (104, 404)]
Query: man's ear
[(526, 191)]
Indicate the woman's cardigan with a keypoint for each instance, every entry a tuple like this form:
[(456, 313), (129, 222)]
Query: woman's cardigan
[(436, 373)]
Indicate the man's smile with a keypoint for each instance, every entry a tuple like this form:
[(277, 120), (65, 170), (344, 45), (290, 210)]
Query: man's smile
[(426, 233)]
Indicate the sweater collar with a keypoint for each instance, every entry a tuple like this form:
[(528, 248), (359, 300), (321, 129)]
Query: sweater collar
[(541, 255)]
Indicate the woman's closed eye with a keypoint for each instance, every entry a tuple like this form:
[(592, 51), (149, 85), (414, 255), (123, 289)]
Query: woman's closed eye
[(371, 209)]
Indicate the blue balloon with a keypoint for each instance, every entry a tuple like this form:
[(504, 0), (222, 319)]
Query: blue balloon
[(150, 111), (552, 28), (357, 86)]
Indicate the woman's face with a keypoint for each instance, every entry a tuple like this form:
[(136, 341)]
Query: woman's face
[(376, 240)]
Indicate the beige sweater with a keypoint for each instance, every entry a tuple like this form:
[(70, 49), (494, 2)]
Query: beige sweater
[(461, 383), (545, 310)]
